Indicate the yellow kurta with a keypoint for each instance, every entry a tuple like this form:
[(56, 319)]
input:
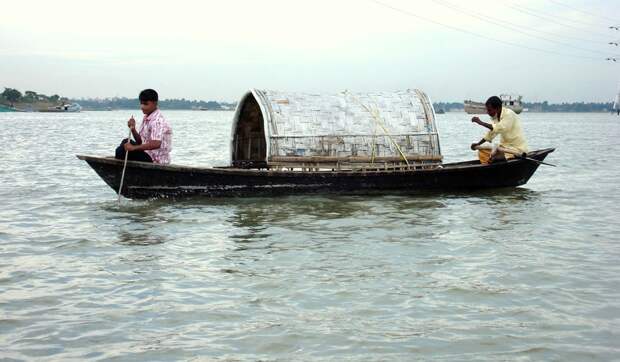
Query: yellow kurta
[(509, 128)]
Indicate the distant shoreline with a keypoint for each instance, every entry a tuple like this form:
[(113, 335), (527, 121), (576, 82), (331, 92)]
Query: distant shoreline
[(30, 100), (541, 107), (232, 110)]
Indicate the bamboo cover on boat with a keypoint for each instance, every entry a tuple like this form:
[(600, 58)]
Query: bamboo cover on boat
[(271, 125)]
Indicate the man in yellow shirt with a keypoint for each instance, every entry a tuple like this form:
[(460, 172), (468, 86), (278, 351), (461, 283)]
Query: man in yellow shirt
[(504, 123)]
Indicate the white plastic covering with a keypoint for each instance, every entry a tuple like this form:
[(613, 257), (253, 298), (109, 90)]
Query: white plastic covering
[(378, 124)]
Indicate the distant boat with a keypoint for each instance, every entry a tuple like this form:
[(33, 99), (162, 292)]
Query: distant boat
[(508, 101), (617, 103), (440, 111), (69, 107)]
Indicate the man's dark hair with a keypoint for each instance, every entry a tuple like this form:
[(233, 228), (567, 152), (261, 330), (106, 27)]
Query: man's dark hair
[(494, 102), (148, 95)]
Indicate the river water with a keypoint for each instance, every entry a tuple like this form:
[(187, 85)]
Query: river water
[(515, 274)]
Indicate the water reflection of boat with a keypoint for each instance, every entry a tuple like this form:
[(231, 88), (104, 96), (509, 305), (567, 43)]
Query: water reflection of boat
[(508, 101), (69, 107), (286, 143)]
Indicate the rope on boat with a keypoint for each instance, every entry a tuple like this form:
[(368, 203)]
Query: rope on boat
[(377, 119)]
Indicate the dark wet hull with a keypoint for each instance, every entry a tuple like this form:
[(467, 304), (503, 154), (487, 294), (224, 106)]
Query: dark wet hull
[(145, 180)]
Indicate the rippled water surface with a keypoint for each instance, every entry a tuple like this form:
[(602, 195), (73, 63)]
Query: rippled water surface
[(531, 273)]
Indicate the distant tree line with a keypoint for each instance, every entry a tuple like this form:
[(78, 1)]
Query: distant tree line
[(448, 106), (541, 106), (12, 96), (568, 107), (133, 103)]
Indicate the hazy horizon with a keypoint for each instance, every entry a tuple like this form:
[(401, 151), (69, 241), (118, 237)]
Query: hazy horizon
[(216, 51)]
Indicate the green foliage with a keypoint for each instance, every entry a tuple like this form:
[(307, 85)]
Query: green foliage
[(541, 106), (11, 95), (568, 107), (29, 96), (133, 103)]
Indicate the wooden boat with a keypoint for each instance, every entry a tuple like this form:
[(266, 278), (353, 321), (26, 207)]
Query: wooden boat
[(147, 180), (284, 143)]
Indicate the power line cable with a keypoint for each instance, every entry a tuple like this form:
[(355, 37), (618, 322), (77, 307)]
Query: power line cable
[(515, 28), (555, 15), (409, 13), (583, 11), (551, 19), (540, 31)]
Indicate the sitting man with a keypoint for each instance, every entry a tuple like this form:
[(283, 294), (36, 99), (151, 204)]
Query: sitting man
[(153, 142), (504, 123)]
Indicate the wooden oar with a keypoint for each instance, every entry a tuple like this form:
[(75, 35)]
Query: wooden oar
[(515, 153), (124, 167)]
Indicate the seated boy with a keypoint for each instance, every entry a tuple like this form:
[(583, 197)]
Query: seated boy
[(153, 142)]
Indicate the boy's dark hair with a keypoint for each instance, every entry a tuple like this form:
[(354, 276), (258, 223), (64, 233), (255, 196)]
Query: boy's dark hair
[(494, 102), (148, 95)]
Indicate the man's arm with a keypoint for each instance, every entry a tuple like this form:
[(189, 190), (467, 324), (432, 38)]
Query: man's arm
[(150, 145), (155, 142), (485, 139), (483, 124), (132, 126), (474, 145)]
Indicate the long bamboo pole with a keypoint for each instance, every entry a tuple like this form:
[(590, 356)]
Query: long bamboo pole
[(120, 188)]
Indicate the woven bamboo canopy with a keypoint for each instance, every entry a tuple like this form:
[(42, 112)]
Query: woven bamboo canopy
[(277, 128)]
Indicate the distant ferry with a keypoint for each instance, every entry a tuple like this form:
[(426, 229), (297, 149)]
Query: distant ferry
[(616, 106), (509, 101), (69, 107)]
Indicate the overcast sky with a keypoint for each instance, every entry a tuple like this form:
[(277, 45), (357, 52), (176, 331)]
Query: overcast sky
[(218, 49)]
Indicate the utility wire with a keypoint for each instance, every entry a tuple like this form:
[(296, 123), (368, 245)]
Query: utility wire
[(555, 14), (551, 19), (537, 30), (461, 30), (515, 28), (583, 11)]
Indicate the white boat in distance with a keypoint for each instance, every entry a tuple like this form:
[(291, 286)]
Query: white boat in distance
[(65, 107), (616, 107), (508, 101)]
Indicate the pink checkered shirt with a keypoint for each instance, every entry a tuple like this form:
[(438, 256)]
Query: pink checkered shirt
[(155, 128)]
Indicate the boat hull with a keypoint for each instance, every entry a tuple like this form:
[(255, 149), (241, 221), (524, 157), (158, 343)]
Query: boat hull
[(147, 180)]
